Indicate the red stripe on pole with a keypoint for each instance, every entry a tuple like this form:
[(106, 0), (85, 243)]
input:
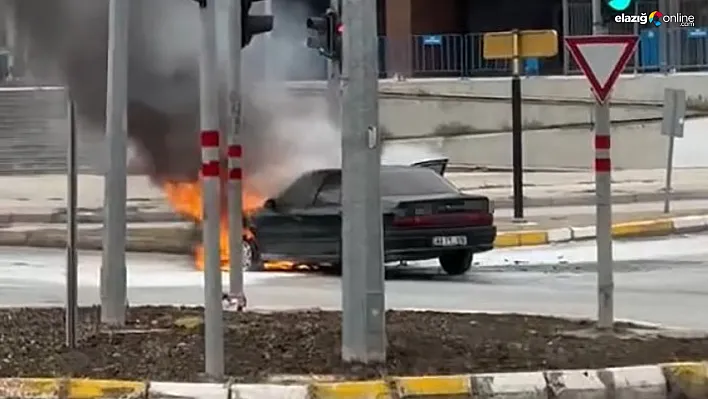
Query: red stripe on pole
[(602, 142), (235, 174), (211, 169), (603, 165), (209, 138), (235, 151)]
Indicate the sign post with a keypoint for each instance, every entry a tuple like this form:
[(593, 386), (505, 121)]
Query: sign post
[(602, 59), (72, 262), (515, 45), (672, 126)]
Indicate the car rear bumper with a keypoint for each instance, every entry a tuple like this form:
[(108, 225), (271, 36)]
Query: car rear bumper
[(418, 244), (398, 245)]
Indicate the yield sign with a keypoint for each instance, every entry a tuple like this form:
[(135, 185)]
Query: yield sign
[(602, 59)]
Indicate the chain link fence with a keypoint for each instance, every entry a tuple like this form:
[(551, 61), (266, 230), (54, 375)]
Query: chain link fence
[(34, 133)]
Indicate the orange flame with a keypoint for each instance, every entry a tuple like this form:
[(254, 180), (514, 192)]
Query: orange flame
[(186, 199)]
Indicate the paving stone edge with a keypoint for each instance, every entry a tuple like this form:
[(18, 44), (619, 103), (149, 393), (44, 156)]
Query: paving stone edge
[(179, 240), (641, 228), (673, 380)]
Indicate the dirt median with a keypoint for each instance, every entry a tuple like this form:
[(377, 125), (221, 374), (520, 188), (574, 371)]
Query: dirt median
[(167, 344)]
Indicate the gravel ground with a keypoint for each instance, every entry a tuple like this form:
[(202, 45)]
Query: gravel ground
[(259, 346)]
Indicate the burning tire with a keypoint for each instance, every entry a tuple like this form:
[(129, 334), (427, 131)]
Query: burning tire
[(251, 260)]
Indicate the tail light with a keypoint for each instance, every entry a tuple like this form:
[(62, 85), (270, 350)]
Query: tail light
[(444, 220)]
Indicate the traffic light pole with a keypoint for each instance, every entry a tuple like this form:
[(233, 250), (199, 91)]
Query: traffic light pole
[(334, 83), (211, 182), (363, 299), (113, 269), (234, 152)]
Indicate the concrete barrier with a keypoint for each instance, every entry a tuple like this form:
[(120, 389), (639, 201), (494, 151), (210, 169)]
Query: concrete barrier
[(659, 381)]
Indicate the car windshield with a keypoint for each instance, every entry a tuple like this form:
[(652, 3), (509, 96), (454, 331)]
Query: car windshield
[(394, 182), (413, 181)]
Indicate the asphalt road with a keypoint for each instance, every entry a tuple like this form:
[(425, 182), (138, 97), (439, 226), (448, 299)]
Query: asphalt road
[(662, 281)]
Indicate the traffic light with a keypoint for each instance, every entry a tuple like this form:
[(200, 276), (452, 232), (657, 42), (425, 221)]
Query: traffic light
[(608, 13), (252, 25), (326, 34)]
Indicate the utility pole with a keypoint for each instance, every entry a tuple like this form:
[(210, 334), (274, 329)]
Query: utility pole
[(334, 81), (269, 48), (211, 184), (10, 38), (72, 261), (363, 298), (605, 282), (234, 152), (113, 270)]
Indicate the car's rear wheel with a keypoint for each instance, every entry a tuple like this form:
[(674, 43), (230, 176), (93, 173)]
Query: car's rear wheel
[(456, 263), (251, 261)]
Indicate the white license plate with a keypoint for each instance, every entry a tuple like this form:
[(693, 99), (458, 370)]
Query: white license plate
[(449, 241)]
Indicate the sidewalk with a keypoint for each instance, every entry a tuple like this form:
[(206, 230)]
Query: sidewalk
[(543, 226), (42, 199), (578, 188), (32, 212)]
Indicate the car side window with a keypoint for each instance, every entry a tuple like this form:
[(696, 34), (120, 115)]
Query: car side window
[(301, 193), (292, 195), (330, 193)]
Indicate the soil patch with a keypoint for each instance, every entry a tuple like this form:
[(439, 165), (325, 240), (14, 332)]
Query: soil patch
[(259, 345)]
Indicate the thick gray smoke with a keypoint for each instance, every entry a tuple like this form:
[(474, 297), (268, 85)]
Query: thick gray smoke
[(68, 45)]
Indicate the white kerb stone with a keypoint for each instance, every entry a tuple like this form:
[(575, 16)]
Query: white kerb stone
[(269, 391), (526, 385), (187, 390), (575, 384), (646, 382), (586, 232), (561, 234), (689, 223)]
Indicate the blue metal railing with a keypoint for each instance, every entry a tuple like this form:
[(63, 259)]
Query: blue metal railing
[(460, 55)]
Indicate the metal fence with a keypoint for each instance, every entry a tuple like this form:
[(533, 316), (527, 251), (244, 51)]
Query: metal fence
[(678, 49), (665, 48), (34, 132)]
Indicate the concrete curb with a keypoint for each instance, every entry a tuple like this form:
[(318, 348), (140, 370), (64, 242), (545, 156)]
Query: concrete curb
[(37, 388), (674, 380), (93, 216), (643, 228), (170, 240), (180, 240)]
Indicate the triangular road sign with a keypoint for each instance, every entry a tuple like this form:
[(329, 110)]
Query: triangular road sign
[(602, 59)]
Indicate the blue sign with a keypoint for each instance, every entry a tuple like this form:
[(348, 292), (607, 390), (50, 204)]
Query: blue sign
[(433, 40), (697, 33)]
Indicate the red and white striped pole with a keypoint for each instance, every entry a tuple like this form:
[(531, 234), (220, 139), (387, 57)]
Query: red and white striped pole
[(234, 153), (603, 194), (211, 185)]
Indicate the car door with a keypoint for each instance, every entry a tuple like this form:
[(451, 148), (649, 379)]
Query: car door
[(286, 230), (323, 217)]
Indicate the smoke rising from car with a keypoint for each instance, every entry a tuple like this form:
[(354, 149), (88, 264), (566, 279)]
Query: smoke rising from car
[(68, 45)]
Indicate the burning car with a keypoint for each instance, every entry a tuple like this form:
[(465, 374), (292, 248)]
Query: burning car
[(425, 217)]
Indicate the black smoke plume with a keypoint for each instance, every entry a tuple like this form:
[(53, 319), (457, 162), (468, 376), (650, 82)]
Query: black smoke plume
[(68, 45)]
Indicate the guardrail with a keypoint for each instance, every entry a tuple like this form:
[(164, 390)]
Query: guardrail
[(683, 49)]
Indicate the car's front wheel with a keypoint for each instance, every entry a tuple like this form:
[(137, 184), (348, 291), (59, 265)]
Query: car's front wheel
[(456, 263), (250, 260)]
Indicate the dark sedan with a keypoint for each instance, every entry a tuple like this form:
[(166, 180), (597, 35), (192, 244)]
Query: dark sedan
[(424, 217)]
